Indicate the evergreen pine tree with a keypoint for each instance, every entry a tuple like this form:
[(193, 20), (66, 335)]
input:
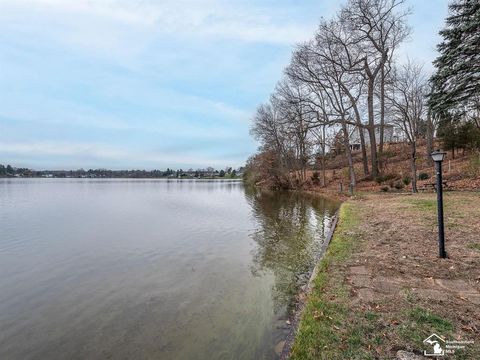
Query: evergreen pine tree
[(456, 83)]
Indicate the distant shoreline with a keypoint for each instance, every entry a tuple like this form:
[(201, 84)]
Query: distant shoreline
[(208, 173), (123, 178)]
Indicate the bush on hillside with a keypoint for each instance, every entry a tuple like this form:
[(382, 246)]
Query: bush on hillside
[(391, 176), (474, 165), (316, 178), (379, 179), (399, 185), (387, 177), (423, 176)]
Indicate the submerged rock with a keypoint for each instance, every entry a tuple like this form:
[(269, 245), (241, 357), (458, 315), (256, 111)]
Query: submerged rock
[(279, 347)]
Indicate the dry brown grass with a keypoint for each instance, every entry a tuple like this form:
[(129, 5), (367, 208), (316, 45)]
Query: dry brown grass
[(457, 172)]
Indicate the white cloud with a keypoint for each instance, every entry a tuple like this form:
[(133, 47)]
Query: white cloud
[(103, 23), (88, 153), (152, 105), (61, 148)]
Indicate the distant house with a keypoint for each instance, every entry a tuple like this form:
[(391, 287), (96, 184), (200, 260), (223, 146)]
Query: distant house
[(355, 146), (390, 134)]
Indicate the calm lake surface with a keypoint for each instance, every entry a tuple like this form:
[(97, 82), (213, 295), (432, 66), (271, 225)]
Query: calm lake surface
[(151, 269)]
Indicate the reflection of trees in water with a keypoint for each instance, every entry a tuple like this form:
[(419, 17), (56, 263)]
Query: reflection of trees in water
[(290, 230)]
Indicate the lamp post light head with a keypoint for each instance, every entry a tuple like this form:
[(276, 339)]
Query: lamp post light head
[(438, 155)]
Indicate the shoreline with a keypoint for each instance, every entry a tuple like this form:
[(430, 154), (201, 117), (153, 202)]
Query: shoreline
[(295, 322), (118, 178)]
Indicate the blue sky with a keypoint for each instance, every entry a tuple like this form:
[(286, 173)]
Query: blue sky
[(153, 84)]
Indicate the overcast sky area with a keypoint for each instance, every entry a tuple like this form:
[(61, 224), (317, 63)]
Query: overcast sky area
[(153, 83)]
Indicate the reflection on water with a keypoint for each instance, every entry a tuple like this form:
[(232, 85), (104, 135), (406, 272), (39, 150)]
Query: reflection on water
[(144, 269), (290, 231)]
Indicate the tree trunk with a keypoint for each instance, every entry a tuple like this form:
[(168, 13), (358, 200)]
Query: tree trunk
[(371, 128), (366, 171), (360, 126), (414, 167), (362, 140), (348, 152), (382, 115), (303, 164), (324, 176)]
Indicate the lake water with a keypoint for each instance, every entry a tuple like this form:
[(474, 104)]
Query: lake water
[(151, 269)]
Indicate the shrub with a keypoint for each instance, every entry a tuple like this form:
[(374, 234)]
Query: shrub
[(391, 176), (399, 185), (389, 154), (407, 180), (423, 176), (387, 177), (316, 178), (385, 188), (474, 165)]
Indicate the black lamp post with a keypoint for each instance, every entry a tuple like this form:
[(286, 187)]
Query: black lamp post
[(438, 157)]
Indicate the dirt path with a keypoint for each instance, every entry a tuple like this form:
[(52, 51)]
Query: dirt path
[(401, 248)]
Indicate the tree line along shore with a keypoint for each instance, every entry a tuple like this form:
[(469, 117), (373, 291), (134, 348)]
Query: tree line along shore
[(208, 173), (350, 116), (347, 98)]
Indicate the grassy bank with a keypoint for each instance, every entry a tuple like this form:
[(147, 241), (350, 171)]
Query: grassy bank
[(381, 288), (327, 309)]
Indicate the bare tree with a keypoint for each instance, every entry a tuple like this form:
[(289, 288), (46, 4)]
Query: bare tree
[(317, 64), (283, 127), (297, 118), (379, 27), (336, 81), (407, 94), (268, 129), (335, 34), (320, 134)]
